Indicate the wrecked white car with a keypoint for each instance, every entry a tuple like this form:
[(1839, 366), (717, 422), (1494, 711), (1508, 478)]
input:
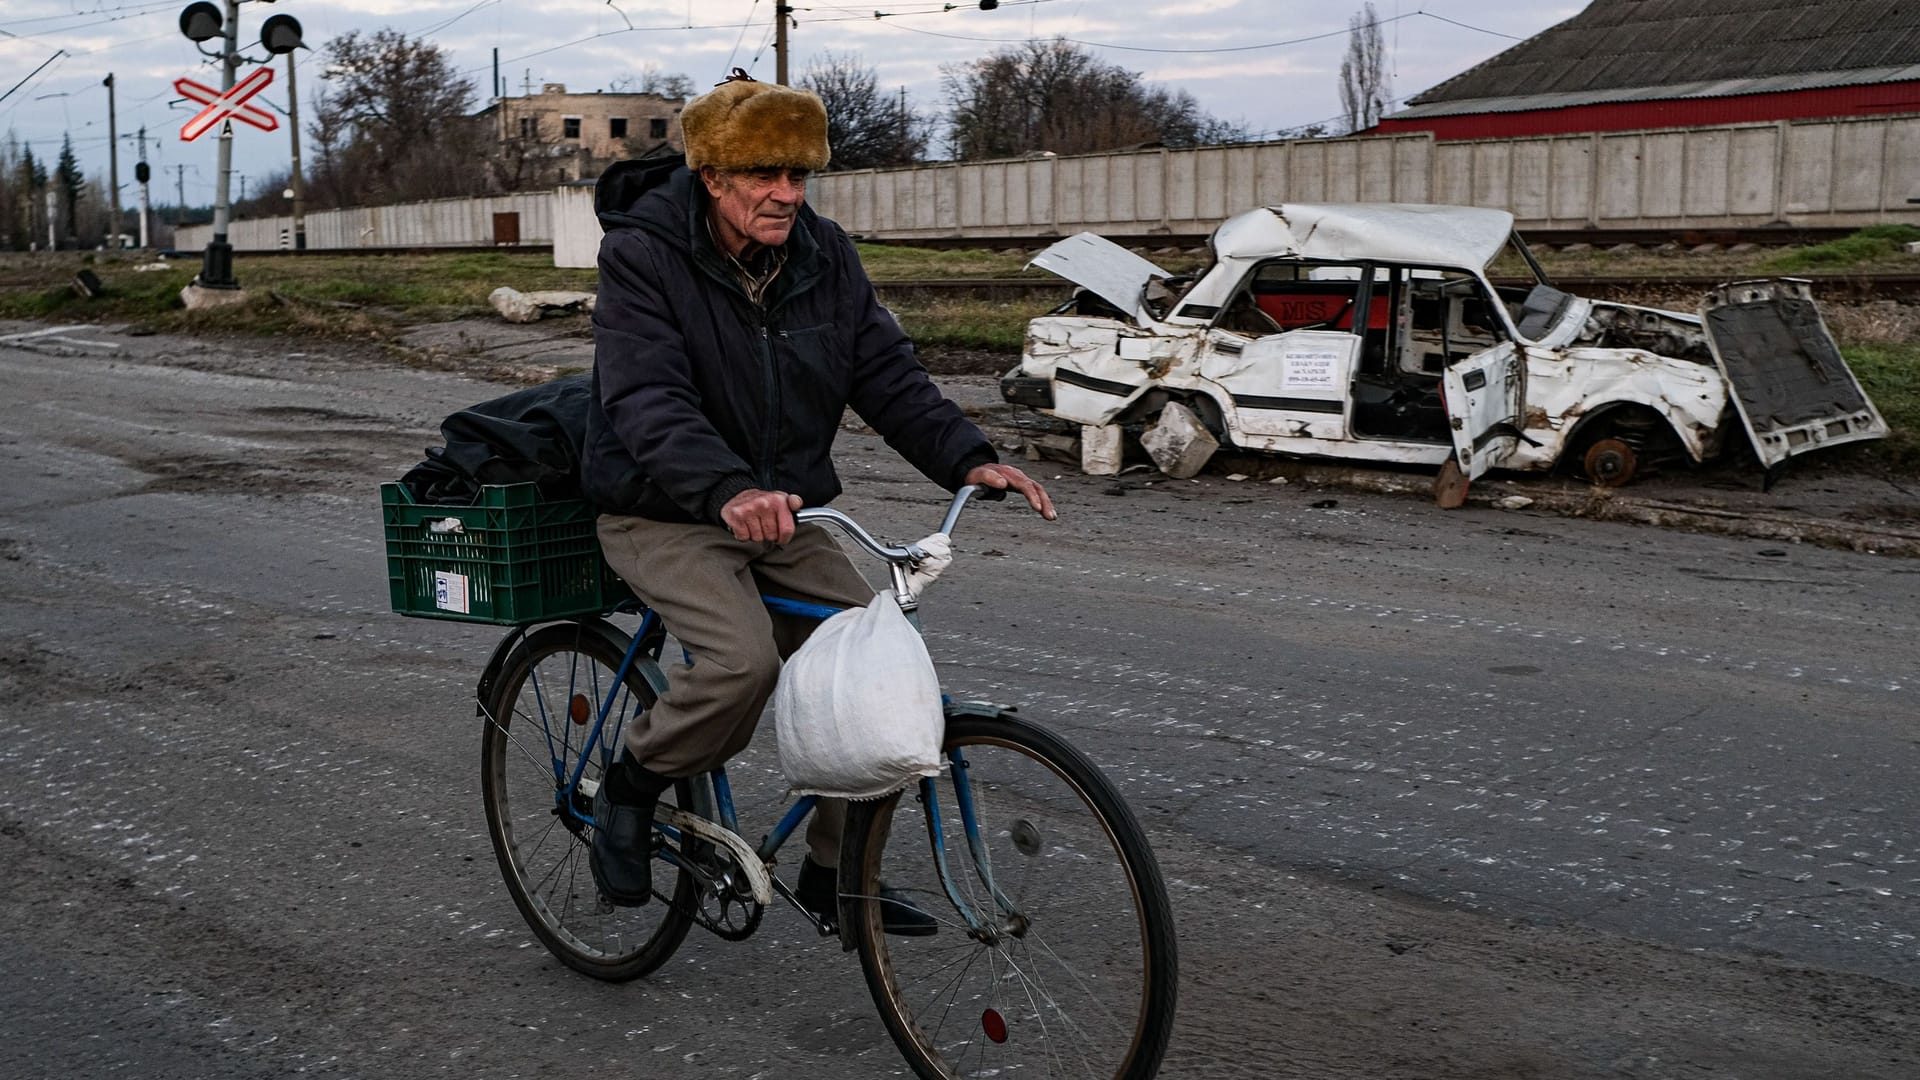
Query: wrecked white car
[(1371, 332)]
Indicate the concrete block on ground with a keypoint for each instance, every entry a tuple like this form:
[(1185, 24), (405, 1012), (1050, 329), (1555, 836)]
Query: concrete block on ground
[(1913, 248), (198, 297), (1100, 449), (518, 307), (1061, 448), (1178, 442)]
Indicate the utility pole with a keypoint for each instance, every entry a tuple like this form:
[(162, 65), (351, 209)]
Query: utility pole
[(780, 10), (216, 269), (299, 183), (243, 187), (142, 173), (180, 199), (113, 167)]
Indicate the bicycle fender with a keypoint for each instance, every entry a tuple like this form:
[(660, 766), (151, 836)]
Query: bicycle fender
[(950, 708), (483, 693), (980, 708)]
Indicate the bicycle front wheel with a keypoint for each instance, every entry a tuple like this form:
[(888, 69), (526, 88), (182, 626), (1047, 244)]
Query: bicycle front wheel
[(543, 704), (1058, 957)]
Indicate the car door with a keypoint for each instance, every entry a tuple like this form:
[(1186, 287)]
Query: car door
[(1484, 395), (1292, 384)]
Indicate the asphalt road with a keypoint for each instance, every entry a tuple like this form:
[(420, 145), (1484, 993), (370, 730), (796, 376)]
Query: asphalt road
[(1475, 794)]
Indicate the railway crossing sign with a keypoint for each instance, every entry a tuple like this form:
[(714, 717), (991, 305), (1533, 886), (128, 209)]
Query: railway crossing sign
[(230, 106)]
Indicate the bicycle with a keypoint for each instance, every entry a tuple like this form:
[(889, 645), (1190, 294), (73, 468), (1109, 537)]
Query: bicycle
[(1009, 981)]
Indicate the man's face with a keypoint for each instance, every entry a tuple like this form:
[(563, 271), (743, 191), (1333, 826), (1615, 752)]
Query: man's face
[(754, 207)]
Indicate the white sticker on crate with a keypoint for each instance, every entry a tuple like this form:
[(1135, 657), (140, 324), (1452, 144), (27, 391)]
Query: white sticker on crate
[(450, 592)]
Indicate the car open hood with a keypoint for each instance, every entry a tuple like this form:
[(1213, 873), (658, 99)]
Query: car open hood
[(1104, 269), (1793, 390)]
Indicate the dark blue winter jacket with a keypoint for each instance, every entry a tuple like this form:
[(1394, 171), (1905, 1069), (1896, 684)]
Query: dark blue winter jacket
[(699, 394)]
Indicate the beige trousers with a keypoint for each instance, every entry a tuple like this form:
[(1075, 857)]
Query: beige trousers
[(706, 586)]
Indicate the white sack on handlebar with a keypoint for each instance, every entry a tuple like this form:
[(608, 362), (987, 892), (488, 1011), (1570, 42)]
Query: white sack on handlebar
[(858, 708), (939, 549)]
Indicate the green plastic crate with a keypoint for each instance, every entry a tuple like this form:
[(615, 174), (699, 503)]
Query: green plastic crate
[(507, 559)]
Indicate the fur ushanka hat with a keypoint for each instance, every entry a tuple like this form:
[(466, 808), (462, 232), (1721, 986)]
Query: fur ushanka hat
[(745, 124)]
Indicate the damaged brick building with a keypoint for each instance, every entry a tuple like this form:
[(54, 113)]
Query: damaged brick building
[(1624, 65), (554, 136)]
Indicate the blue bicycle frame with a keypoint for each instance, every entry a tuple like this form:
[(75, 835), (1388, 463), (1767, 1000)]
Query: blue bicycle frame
[(649, 669)]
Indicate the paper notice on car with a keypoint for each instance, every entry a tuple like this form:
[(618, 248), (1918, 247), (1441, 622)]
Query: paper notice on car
[(1310, 372)]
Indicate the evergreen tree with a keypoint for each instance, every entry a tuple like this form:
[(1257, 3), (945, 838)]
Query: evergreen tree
[(67, 175), (30, 185)]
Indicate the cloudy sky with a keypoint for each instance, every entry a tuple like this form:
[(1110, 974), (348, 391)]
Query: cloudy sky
[(1273, 64)]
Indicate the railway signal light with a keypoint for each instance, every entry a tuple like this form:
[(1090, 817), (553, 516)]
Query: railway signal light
[(280, 34), (200, 21)]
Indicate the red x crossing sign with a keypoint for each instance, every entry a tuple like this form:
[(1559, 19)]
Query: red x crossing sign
[(230, 105)]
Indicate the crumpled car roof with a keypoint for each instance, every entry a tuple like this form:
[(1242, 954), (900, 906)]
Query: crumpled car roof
[(1462, 236)]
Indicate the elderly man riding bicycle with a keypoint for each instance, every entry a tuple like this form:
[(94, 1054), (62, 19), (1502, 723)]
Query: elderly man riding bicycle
[(734, 327)]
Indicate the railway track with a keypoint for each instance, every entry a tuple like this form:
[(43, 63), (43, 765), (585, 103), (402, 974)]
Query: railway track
[(1038, 288)]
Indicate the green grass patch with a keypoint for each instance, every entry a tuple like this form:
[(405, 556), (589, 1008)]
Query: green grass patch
[(327, 295), (893, 262), (1874, 244), (1890, 374), (967, 324)]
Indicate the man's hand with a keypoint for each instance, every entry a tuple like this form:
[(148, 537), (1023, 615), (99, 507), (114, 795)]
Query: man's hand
[(1006, 476), (764, 516)]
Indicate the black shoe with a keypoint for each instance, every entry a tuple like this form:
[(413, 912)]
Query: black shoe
[(621, 855), (818, 891)]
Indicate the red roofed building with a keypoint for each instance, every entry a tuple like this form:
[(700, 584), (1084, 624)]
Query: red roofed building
[(1625, 65)]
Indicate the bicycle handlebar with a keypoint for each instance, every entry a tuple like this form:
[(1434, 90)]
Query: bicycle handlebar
[(901, 554)]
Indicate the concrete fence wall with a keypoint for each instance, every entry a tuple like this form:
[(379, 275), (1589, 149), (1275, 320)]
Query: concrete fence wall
[(1834, 173), (1820, 173), (452, 223)]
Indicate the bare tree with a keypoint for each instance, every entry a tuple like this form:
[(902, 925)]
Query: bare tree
[(392, 123), (655, 80), (1055, 96), (866, 128), (1363, 74)]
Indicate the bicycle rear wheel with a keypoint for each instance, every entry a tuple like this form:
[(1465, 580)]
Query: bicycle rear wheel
[(544, 701), (1075, 971)]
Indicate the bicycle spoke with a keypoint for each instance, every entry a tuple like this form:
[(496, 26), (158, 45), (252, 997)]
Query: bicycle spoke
[(1078, 978), (535, 818)]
